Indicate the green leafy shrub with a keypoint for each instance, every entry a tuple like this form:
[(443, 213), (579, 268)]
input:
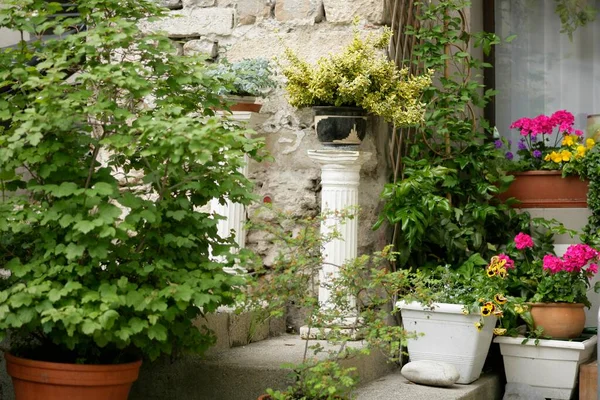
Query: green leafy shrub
[(294, 279), (108, 149)]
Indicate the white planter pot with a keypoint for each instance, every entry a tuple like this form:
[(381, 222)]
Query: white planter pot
[(448, 336), (550, 368)]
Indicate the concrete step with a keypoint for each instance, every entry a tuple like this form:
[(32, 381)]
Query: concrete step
[(239, 373), (394, 386)]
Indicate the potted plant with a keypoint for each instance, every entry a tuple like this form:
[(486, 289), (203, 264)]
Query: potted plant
[(548, 364), (102, 179), (343, 88), (556, 287), (454, 315), (246, 80), (551, 162)]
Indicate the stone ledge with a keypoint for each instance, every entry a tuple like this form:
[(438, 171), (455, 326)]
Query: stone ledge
[(395, 387)]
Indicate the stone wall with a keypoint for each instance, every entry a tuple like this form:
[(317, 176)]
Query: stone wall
[(238, 29)]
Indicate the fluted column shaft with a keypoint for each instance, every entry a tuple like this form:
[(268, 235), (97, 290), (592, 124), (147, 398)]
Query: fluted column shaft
[(340, 177)]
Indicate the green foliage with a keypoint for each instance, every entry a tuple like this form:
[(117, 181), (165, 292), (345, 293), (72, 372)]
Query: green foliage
[(573, 14), (249, 77), (359, 76), (592, 174), (443, 201), (102, 178), (293, 279)]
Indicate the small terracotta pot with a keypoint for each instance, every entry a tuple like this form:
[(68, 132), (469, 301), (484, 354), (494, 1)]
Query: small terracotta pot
[(559, 320), (547, 189), (244, 103), (36, 380)]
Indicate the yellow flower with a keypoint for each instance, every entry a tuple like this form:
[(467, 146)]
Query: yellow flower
[(502, 273), (556, 157), (498, 313), (487, 309), (500, 299), (566, 155), (589, 143), (569, 140), (519, 309), (491, 271), (465, 311), (479, 326), (499, 331), (547, 158), (580, 151)]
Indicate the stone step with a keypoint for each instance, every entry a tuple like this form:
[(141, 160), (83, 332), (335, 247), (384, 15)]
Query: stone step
[(394, 386), (239, 373), (234, 329)]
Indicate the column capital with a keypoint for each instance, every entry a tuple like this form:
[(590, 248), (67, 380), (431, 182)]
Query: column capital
[(341, 158)]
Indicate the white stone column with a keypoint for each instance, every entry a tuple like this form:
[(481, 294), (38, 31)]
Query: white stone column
[(340, 177), (235, 213)]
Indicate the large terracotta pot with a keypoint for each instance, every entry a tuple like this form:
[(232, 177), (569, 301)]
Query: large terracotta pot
[(559, 320), (37, 380), (547, 189), (340, 126)]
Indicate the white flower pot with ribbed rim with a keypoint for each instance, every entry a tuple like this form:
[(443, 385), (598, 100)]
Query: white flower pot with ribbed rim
[(550, 367), (448, 335)]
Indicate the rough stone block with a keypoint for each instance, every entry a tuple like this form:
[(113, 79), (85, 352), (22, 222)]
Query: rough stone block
[(344, 11), (171, 4), (299, 10), (201, 46), (194, 22), (218, 323), (248, 11), (199, 3)]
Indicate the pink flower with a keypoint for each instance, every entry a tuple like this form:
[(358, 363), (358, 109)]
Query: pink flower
[(542, 125), (552, 263), (564, 120), (593, 268), (523, 241), (510, 264)]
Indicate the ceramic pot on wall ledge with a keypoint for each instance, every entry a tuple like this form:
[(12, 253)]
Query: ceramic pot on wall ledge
[(340, 126), (547, 189), (244, 103)]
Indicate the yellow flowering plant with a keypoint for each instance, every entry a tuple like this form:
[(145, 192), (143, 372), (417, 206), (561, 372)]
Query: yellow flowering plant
[(481, 288), (360, 75)]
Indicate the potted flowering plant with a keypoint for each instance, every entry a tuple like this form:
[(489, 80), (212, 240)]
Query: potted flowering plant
[(549, 149), (358, 80), (454, 313), (555, 285)]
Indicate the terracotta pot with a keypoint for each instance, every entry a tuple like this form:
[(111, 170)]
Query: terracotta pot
[(244, 103), (36, 380), (340, 126), (559, 320), (547, 189)]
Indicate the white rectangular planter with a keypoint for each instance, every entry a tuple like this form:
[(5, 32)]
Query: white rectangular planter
[(448, 336), (550, 368)]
